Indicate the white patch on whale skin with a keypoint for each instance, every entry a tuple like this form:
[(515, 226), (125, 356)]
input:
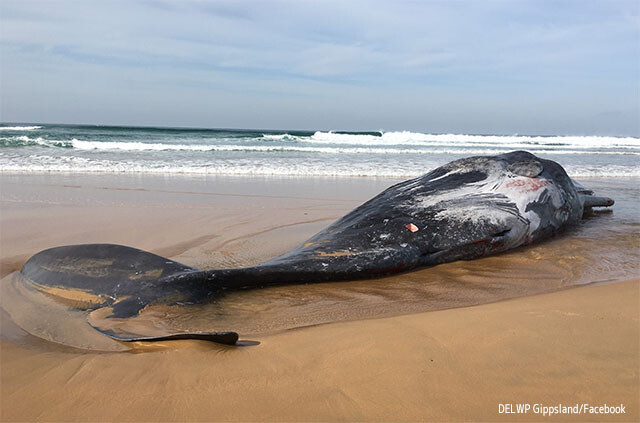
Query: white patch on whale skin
[(534, 189), (519, 190), (459, 167), (445, 196), (473, 212), (445, 175)]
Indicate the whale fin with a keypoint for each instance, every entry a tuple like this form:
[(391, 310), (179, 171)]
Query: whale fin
[(593, 201), (148, 327), (589, 200), (91, 275), (226, 338)]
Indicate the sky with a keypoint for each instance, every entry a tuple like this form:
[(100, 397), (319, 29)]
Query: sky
[(480, 67)]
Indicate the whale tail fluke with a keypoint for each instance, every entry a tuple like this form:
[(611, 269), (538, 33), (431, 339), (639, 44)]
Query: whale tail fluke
[(118, 283)]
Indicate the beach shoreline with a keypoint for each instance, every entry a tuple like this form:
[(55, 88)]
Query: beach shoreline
[(355, 351)]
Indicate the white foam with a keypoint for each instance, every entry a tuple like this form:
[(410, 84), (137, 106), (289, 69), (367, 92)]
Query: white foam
[(37, 163), (27, 139), (512, 141), (280, 137), (19, 128), (24, 140), (421, 150)]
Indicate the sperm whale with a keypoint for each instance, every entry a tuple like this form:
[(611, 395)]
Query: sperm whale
[(463, 210)]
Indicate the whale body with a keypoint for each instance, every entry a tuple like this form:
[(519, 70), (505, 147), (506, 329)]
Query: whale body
[(466, 209)]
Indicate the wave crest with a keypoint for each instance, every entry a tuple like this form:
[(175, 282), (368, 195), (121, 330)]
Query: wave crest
[(523, 141), (19, 128)]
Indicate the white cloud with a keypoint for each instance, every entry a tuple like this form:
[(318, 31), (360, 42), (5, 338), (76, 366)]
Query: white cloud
[(310, 63)]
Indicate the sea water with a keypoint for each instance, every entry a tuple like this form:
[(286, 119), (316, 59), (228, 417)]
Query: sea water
[(120, 149)]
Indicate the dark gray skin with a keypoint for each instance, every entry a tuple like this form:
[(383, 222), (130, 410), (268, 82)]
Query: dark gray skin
[(466, 209)]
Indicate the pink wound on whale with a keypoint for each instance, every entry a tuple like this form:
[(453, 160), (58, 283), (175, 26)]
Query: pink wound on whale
[(528, 184), (411, 227)]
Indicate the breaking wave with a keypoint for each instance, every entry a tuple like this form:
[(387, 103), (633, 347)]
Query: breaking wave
[(515, 141), (19, 128), (65, 148), (319, 147)]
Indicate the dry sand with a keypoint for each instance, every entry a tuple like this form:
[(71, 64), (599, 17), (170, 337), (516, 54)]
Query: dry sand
[(572, 347)]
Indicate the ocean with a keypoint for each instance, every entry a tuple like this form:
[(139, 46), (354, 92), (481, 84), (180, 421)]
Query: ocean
[(120, 149)]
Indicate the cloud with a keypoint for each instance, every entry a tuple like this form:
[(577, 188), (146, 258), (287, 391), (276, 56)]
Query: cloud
[(317, 56)]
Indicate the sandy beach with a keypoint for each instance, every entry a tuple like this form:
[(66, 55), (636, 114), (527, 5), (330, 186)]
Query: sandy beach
[(555, 323)]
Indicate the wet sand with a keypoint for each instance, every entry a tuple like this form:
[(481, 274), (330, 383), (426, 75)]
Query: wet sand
[(382, 350)]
